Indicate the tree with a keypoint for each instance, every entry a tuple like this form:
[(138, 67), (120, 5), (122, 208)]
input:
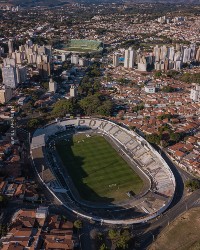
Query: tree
[(95, 72), (165, 127), (96, 86), (138, 107), (158, 73), (172, 73), (122, 243), (175, 137), (112, 234), (120, 239), (90, 104), (133, 128), (106, 108), (33, 123), (3, 230), (190, 78), (63, 107), (153, 138), (123, 240), (192, 184), (78, 224), (103, 247), (100, 236), (3, 201), (164, 116), (45, 85), (168, 89)]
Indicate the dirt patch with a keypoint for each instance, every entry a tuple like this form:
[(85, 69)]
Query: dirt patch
[(182, 234)]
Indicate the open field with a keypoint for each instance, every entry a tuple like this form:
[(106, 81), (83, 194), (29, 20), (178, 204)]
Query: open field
[(97, 170), (182, 234)]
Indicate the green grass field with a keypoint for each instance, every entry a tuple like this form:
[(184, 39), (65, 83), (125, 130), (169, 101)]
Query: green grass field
[(97, 170)]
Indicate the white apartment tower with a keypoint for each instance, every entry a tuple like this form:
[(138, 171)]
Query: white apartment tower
[(74, 59), (157, 53), (129, 59), (195, 93), (9, 76), (73, 91), (198, 55), (142, 63), (126, 59), (186, 55), (10, 46), (52, 86), (171, 53), (115, 60)]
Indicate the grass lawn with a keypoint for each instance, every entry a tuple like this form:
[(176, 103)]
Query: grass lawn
[(97, 170), (182, 234)]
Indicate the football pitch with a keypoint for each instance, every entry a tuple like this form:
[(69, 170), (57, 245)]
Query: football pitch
[(97, 169)]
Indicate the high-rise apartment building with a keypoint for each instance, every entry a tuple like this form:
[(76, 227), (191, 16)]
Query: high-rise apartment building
[(157, 53), (74, 59), (83, 62), (5, 94), (175, 56), (198, 55), (44, 69), (73, 91), (21, 74), (9, 61), (195, 93), (115, 60), (52, 86), (186, 54), (193, 51), (126, 59), (9, 76), (10, 46), (142, 63), (18, 56), (171, 53), (129, 59)]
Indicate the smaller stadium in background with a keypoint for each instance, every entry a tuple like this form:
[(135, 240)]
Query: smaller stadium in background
[(83, 45)]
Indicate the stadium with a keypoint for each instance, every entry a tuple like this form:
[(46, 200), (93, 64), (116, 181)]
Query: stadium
[(102, 171), (83, 45)]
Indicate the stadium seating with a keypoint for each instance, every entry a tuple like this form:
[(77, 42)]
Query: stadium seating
[(147, 159)]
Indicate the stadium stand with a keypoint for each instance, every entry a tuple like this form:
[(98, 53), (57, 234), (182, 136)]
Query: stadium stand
[(149, 162)]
